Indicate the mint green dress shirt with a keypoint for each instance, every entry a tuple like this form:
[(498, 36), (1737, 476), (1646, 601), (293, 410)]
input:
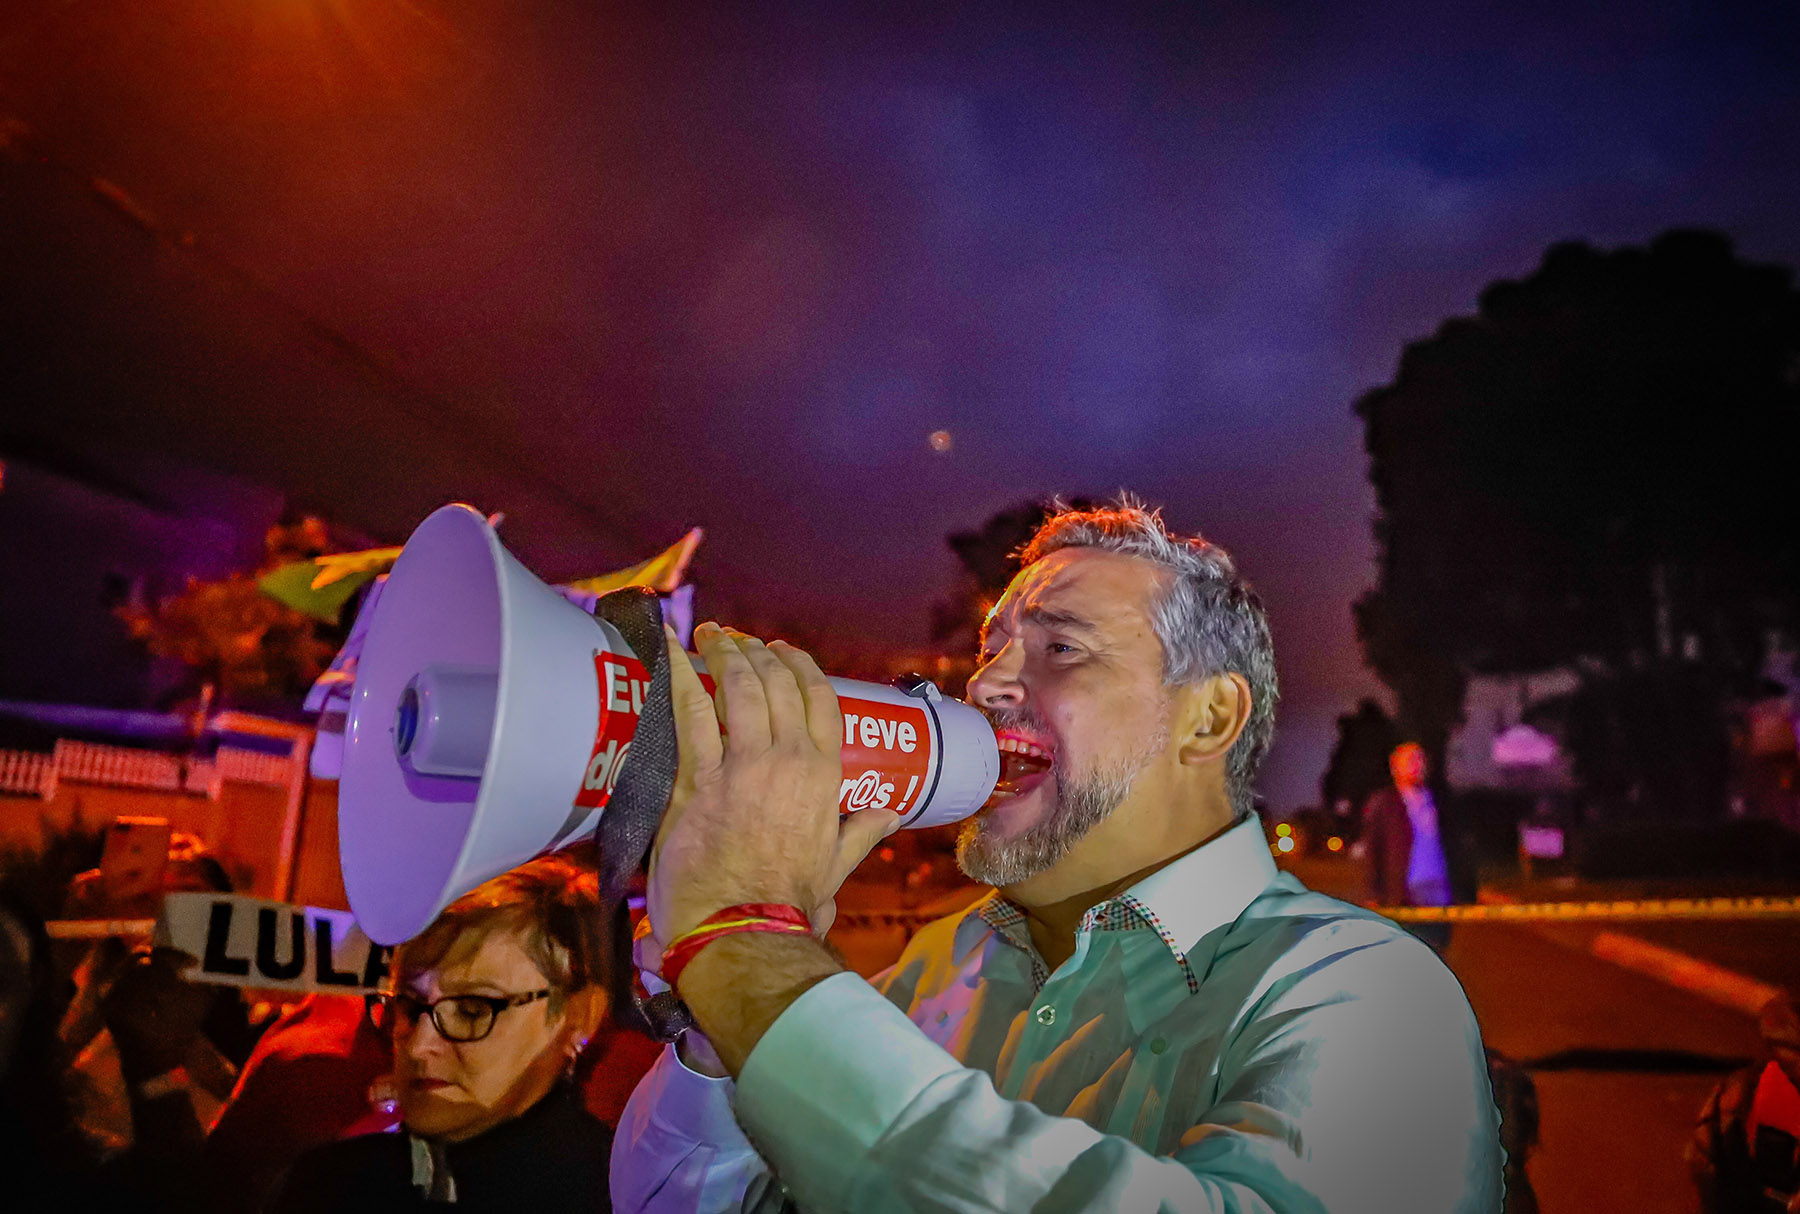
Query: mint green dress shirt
[(1222, 1039)]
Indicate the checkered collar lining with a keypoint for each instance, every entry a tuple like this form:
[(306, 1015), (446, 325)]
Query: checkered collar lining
[(1181, 902)]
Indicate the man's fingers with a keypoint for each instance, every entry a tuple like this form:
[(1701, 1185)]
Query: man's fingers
[(781, 691), (823, 916), (824, 718), (697, 738), (743, 707), (858, 834)]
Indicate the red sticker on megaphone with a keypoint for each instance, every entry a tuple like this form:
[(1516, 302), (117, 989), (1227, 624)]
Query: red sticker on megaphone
[(889, 750), (887, 756), (622, 682)]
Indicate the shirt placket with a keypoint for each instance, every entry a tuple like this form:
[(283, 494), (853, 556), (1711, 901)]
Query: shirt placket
[(1051, 1015), (1040, 1033), (1052, 1010)]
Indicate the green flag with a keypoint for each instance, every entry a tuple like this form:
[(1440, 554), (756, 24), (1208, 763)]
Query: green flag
[(320, 588)]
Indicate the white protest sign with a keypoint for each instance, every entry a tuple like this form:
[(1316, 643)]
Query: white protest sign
[(242, 941)]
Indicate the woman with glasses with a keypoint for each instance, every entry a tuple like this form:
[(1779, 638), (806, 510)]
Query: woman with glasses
[(489, 1010)]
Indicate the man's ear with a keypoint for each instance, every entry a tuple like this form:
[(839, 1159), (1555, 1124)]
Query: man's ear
[(1213, 715)]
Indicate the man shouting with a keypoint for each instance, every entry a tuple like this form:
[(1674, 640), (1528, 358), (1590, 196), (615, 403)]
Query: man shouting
[(1143, 1014)]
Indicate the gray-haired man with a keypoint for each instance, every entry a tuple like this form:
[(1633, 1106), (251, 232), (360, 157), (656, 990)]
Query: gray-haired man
[(1144, 1015)]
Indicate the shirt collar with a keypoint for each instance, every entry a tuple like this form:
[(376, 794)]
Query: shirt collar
[(1207, 888), (980, 919), (1183, 900)]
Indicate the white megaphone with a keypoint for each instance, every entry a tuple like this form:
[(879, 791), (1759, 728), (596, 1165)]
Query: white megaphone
[(491, 716)]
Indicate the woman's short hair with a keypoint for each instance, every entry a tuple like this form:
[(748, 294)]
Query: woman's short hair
[(553, 902)]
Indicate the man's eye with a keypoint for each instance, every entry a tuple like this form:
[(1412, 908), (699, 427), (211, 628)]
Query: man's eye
[(1059, 647)]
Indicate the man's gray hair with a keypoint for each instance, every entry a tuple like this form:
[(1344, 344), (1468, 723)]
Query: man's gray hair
[(1206, 616)]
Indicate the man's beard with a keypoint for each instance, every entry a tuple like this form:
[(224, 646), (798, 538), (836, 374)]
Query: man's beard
[(1082, 803)]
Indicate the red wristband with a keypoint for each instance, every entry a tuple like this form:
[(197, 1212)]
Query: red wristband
[(746, 917)]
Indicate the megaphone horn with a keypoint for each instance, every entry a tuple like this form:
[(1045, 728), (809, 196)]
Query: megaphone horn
[(490, 719)]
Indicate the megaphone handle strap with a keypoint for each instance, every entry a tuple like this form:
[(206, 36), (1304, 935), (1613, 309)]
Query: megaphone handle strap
[(665, 1014), (640, 796)]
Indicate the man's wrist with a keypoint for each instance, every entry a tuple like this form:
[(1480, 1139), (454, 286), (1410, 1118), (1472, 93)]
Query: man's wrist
[(756, 917), (681, 922), (739, 985)]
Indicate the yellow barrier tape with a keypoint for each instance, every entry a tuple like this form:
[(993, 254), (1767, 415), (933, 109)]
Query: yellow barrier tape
[(1623, 908), (1515, 912)]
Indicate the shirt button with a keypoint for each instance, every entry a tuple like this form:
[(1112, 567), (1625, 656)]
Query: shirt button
[(1158, 1046), (1046, 1015)]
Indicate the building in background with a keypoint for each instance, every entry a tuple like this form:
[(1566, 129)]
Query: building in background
[(1502, 745)]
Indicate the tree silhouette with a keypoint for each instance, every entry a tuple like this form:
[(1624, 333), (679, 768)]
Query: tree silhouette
[(251, 648), (1596, 470), (1359, 758), (989, 556)]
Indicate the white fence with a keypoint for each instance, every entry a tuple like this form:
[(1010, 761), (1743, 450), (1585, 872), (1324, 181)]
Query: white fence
[(30, 774), (254, 767), (117, 766), (25, 773)]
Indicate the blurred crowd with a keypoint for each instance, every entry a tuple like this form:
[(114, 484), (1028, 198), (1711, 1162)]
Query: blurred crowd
[(487, 1071), (490, 1069)]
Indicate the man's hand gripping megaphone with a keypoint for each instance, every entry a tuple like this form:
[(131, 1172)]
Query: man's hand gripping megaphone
[(753, 818)]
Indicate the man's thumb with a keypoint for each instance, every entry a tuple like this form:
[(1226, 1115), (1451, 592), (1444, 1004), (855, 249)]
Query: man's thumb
[(861, 831)]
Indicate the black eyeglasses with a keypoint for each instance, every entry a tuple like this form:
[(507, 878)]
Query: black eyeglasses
[(458, 1018)]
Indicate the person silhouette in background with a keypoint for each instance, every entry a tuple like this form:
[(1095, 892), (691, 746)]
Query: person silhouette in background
[(1408, 865), (1745, 1153)]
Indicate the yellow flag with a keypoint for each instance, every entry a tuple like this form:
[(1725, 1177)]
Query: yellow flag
[(662, 572), (321, 587), (339, 565)]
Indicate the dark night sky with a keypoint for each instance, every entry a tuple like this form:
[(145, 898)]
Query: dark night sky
[(625, 271)]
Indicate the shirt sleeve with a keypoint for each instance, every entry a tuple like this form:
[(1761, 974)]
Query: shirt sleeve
[(1348, 1100), (678, 1148)]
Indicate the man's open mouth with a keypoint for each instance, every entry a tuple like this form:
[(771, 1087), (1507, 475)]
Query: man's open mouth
[(1021, 759)]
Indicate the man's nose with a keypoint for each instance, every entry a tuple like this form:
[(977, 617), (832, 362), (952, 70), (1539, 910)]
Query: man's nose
[(996, 683)]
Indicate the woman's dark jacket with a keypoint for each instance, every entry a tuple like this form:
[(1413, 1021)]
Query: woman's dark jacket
[(551, 1157)]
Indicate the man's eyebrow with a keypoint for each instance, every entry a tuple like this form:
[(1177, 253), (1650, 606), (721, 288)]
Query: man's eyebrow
[(1049, 617), (1043, 617)]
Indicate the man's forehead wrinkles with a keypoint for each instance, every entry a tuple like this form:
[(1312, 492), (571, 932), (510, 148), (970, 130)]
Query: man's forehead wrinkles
[(1102, 593), (1071, 594), (1052, 617)]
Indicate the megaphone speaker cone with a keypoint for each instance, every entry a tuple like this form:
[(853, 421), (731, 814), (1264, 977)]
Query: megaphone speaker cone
[(474, 681)]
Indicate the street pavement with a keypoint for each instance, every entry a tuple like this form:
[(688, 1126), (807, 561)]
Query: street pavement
[(1622, 1064)]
